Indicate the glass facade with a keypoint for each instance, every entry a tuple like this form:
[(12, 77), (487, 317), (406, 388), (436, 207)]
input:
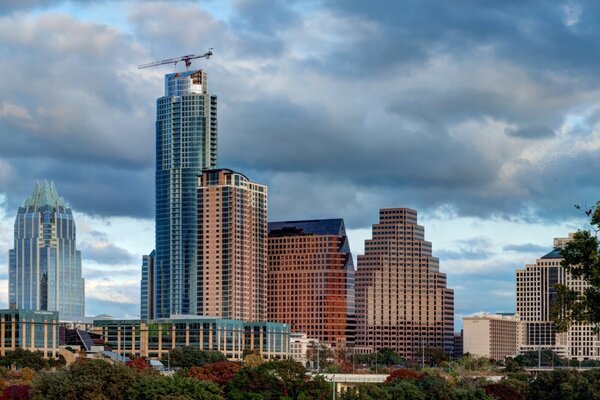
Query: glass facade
[(146, 284), (186, 143), (155, 338), (31, 330), (45, 266)]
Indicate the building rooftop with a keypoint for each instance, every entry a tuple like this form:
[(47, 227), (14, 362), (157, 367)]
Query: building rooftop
[(45, 194), (308, 227), (554, 254)]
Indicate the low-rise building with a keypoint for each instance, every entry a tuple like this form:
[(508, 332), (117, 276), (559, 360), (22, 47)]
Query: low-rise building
[(155, 338), (29, 330), (495, 336), (300, 344)]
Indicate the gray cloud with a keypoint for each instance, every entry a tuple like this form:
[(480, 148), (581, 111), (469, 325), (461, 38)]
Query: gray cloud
[(530, 132), (527, 248), (469, 249), (98, 248), (385, 103)]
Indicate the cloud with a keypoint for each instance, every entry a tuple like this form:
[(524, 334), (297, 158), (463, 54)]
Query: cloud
[(527, 248), (530, 132), (468, 249), (98, 248)]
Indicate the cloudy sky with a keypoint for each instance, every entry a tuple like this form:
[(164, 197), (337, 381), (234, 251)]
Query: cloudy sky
[(484, 116)]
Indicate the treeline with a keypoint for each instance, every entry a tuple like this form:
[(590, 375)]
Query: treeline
[(208, 375)]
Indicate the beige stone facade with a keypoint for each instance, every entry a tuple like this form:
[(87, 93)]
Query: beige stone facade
[(494, 336), (29, 330), (402, 301)]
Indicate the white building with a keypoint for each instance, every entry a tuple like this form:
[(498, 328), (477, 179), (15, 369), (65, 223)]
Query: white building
[(300, 345), (495, 336), (536, 295)]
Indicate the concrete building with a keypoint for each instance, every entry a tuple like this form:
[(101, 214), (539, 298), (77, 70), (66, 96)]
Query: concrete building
[(311, 279), (186, 143), (494, 336), (45, 265), (147, 286), (231, 273), (536, 295), (155, 338), (402, 301), (29, 330), (300, 344)]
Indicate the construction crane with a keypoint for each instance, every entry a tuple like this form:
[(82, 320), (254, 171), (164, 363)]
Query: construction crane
[(187, 59)]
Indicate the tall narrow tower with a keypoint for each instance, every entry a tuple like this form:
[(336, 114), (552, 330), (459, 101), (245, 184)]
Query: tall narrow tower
[(45, 266), (186, 143), (402, 301)]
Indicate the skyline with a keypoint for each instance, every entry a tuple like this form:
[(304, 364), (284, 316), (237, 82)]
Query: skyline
[(458, 120)]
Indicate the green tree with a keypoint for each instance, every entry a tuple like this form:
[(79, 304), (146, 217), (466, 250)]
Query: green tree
[(284, 379), (581, 258), (366, 392), (22, 358), (187, 357), (148, 387)]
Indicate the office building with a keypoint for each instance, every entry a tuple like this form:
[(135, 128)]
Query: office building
[(494, 336), (311, 279), (232, 247), (402, 301), (29, 330), (536, 296), (186, 143), (300, 347), (155, 338), (147, 286), (45, 265)]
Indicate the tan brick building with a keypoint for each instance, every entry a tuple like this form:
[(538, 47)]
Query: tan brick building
[(311, 279), (402, 301), (232, 240)]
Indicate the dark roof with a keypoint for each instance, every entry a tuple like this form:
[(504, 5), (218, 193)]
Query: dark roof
[(553, 254), (308, 227)]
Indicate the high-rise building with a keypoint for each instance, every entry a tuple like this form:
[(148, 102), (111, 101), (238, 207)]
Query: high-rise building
[(232, 239), (186, 143), (402, 301), (311, 279), (536, 296), (147, 287), (45, 265)]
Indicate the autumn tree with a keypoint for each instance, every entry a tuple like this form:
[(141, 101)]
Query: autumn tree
[(220, 372)]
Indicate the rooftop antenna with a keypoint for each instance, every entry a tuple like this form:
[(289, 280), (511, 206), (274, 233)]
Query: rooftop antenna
[(187, 59)]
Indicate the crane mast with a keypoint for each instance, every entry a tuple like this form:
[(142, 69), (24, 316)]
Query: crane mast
[(187, 59)]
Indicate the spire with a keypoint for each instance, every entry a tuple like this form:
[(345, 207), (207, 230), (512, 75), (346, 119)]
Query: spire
[(45, 194)]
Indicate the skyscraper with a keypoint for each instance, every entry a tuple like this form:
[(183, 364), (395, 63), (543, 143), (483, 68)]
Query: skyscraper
[(146, 287), (45, 265), (232, 240), (311, 279), (536, 297), (402, 301), (186, 143)]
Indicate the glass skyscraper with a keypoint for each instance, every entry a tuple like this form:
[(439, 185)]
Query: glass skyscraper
[(186, 143), (45, 265)]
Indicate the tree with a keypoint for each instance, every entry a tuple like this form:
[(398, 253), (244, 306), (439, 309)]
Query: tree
[(187, 357), (253, 360), (284, 379), (502, 391), (22, 358), (404, 374), (139, 364), (17, 392), (581, 258), (149, 387), (220, 372)]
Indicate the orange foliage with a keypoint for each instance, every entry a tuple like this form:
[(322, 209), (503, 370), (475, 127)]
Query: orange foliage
[(404, 374), (220, 372), (139, 364)]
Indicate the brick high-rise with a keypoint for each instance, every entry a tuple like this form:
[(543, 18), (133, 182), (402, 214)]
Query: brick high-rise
[(402, 301), (311, 279)]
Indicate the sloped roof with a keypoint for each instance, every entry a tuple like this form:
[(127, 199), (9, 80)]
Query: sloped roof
[(554, 254), (333, 226)]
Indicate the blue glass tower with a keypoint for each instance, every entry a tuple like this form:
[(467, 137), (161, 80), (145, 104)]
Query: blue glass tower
[(186, 143), (45, 266)]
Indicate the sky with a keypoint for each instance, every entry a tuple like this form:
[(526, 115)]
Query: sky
[(483, 116)]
